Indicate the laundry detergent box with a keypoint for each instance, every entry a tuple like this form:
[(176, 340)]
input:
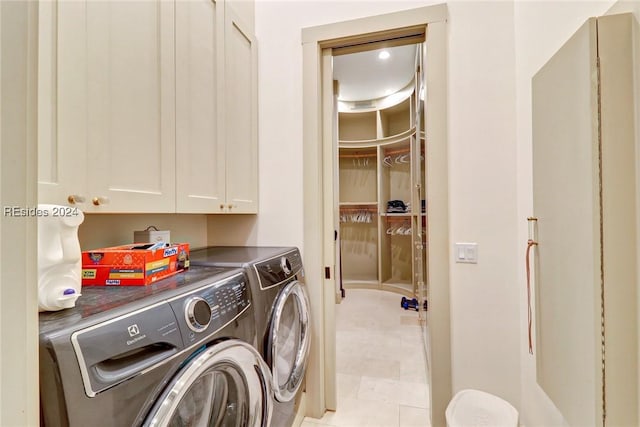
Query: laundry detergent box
[(136, 264)]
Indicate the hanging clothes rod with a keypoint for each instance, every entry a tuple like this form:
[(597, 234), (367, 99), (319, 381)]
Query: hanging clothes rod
[(397, 218), (359, 208), (397, 151), (358, 155)]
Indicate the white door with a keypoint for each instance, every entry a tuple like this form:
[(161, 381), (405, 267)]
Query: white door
[(241, 116), (62, 113), (200, 162), (131, 106), (585, 197), (567, 205)]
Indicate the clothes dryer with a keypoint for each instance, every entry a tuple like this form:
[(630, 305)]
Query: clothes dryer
[(281, 311), (178, 352)]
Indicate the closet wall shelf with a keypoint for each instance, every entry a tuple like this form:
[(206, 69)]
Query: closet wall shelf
[(358, 155), (364, 143)]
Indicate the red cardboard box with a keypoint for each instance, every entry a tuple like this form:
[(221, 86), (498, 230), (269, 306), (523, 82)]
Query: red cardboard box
[(136, 264)]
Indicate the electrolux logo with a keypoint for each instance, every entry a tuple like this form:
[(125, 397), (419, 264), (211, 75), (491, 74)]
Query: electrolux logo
[(133, 330), (134, 333)]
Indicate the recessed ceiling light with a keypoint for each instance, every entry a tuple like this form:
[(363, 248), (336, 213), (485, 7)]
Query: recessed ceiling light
[(384, 55)]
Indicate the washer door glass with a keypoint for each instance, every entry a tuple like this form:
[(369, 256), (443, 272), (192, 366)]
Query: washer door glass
[(217, 398), (289, 340), (225, 385)]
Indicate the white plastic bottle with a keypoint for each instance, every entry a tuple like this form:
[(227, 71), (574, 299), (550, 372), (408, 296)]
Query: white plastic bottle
[(59, 257)]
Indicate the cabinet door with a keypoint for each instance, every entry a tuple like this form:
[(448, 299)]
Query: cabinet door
[(131, 105), (200, 154), (241, 116), (62, 116), (566, 202), (585, 197)]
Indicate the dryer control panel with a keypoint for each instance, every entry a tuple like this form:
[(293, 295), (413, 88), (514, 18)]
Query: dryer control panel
[(210, 308), (274, 271)]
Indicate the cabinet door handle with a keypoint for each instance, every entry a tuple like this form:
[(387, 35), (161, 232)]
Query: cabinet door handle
[(221, 206), (101, 200), (74, 198)]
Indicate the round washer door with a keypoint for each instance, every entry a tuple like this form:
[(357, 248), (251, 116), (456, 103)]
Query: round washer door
[(225, 385), (289, 340)]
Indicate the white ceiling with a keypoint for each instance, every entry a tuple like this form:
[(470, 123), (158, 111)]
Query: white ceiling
[(363, 76)]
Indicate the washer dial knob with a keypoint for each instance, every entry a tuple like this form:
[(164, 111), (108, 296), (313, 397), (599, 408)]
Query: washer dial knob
[(197, 314), (286, 265)]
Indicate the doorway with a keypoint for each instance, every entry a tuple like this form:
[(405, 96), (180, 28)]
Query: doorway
[(321, 214), (380, 166)]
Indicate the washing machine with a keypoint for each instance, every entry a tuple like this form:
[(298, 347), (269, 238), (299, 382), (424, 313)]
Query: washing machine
[(281, 311), (179, 352)]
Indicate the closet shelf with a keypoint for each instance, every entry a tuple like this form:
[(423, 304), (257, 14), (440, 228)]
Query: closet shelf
[(358, 155), (363, 143)]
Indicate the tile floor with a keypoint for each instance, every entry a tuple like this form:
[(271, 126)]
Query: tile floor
[(381, 366)]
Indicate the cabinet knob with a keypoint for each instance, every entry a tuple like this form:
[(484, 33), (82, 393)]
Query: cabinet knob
[(221, 206), (230, 206), (74, 198), (97, 201)]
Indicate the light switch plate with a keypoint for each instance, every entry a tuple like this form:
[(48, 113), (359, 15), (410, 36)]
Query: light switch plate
[(466, 253)]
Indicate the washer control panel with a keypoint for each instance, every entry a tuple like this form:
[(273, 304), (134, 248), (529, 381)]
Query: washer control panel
[(122, 347), (276, 270), (211, 307)]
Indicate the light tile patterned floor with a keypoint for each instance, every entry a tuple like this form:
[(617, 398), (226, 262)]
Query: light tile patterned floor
[(381, 367)]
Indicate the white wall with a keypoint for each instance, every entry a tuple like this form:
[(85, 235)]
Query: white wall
[(104, 230), (484, 297), (540, 29), (485, 332)]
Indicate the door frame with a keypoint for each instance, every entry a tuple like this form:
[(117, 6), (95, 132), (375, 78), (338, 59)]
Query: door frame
[(319, 171)]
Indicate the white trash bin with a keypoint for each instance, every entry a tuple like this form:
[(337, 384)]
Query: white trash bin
[(475, 408)]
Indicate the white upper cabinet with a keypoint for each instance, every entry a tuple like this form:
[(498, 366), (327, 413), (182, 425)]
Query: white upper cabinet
[(131, 105), (147, 106), (216, 115), (62, 114), (200, 156), (241, 116)]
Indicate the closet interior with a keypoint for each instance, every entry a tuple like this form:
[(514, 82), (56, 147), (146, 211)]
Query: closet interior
[(381, 174)]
